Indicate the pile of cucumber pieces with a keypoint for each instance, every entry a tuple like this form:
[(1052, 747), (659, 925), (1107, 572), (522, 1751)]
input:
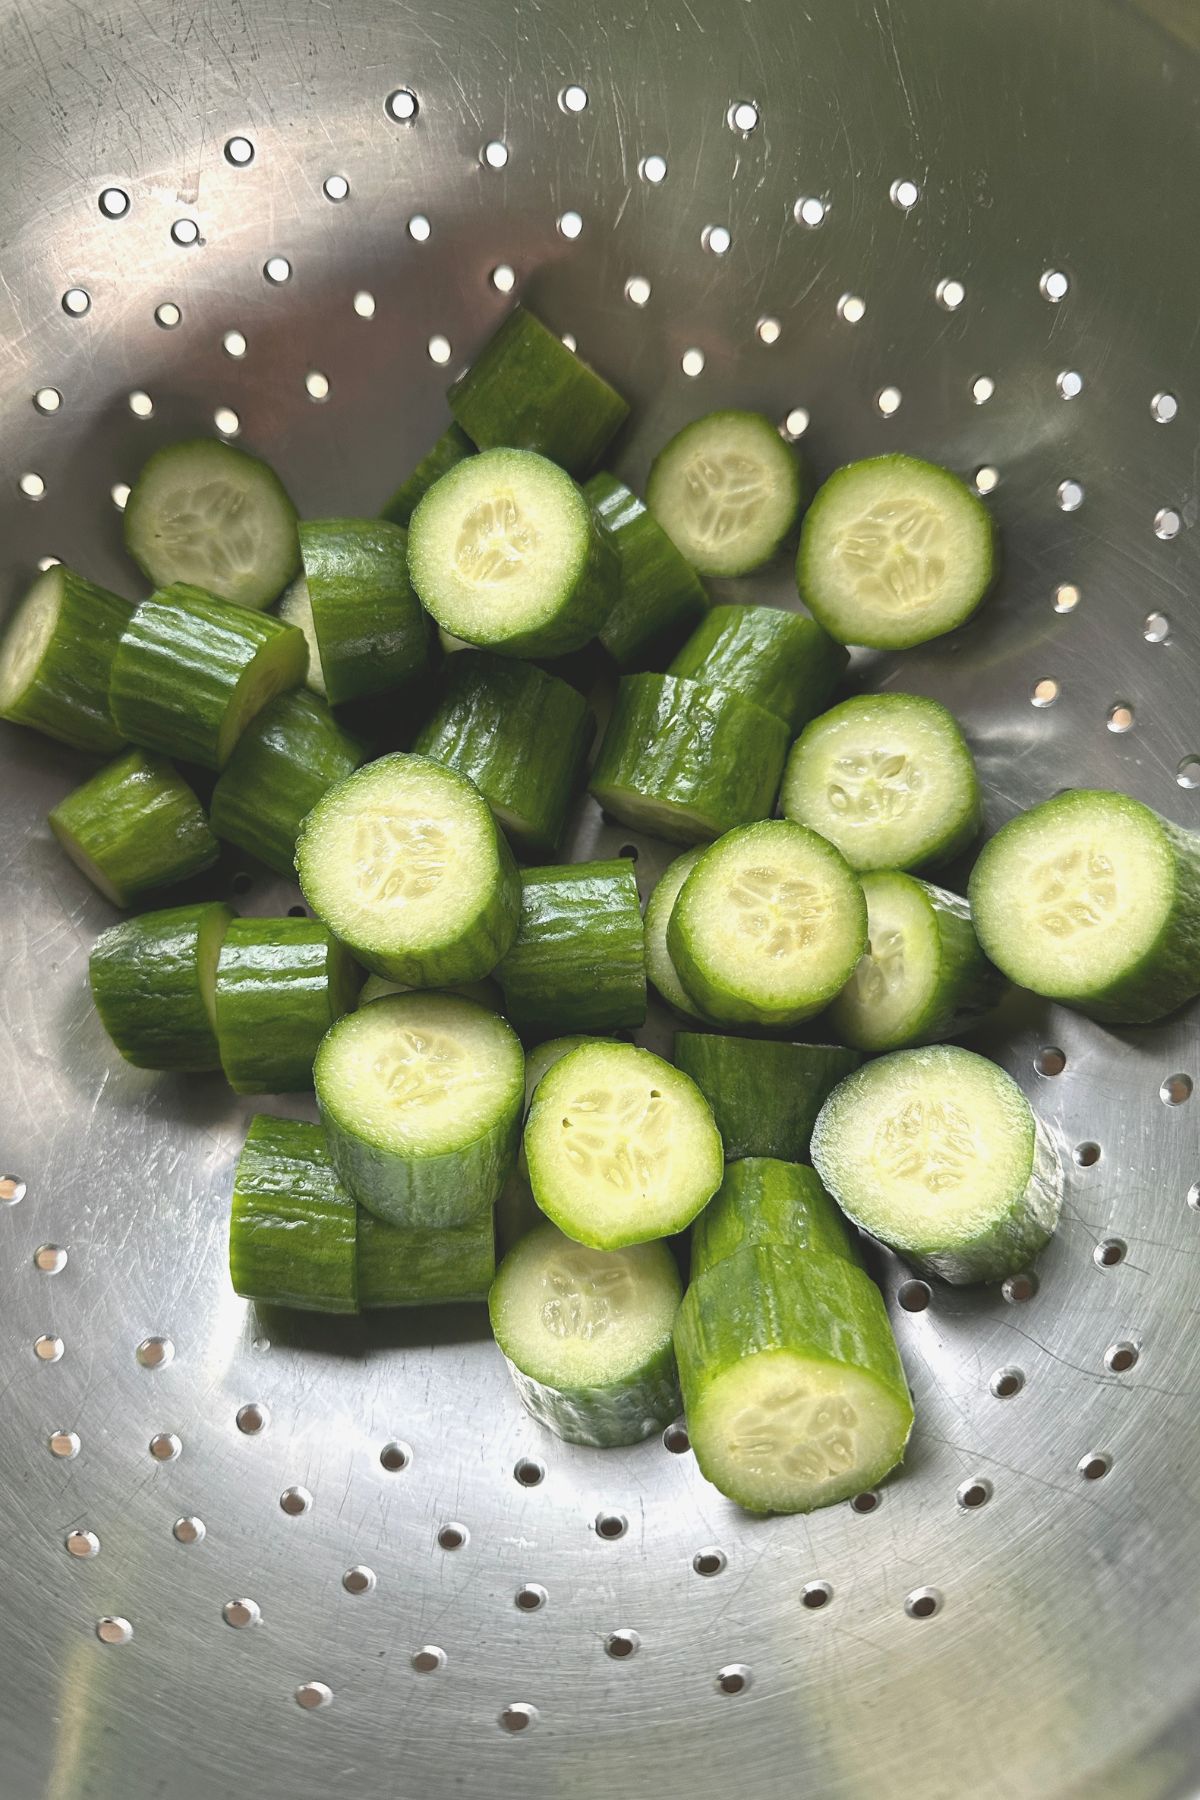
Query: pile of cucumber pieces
[(462, 613)]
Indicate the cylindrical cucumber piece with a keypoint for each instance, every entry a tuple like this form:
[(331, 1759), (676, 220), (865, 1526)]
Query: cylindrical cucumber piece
[(578, 961), (371, 633), (281, 983), (191, 672), (659, 594), (659, 967), (449, 449), (284, 761), (727, 489), (56, 658), (782, 661), (687, 762), (764, 1201), (586, 1335), (153, 980), (293, 1231), (134, 826), (765, 1094), (410, 1265), (485, 993)]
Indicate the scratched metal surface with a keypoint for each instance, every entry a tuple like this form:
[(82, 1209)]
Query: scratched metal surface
[(1063, 1656)]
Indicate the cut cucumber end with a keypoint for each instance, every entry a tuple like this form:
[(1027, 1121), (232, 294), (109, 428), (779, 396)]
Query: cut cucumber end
[(295, 608), (659, 967), (28, 636), (893, 985), (726, 490), (278, 666), (116, 896)]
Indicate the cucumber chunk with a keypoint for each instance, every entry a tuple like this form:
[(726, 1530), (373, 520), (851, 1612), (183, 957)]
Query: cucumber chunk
[(578, 961), (56, 658), (889, 779), (210, 516), (936, 1153), (765, 1095), (153, 979), (768, 926), (293, 1230), (484, 993), (659, 967), (659, 594), (450, 449), (1093, 900), (281, 983), (406, 1265), (727, 490), (792, 1384), (295, 608), (404, 863), (135, 826), (765, 1201), (782, 661), (284, 761), (370, 631), (621, 1147)]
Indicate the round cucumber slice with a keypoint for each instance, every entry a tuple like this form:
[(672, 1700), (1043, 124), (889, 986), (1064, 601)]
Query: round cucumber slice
[(659, 967), (726, 490)]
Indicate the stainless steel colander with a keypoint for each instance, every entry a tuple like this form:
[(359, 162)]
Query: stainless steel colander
[(260, 1557)]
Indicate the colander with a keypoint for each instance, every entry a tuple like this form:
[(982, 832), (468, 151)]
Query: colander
[(251, 1555)]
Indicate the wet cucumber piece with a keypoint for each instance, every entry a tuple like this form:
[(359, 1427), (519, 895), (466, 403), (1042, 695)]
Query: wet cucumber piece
[(659, 967), (284, 761), (135, 826), (450, 448), (765, 1095), (659, 594), (403, 1265), (484, 993), (152, 980), (281, 983), (765, 1201), (578, 961), (727, 490), (293, 1230), (56, 660), (370, 632), (782, 661)]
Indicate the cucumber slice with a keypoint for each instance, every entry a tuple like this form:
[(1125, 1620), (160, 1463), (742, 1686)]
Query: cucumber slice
[(659, 967), (765, 1095), (404, 863), (894, 551), (450, 449), (727, 490), (293, 1231), (405, 1265), (525, 388), (659, 594), (190, 672), (1093, 900), (522, 737), (56, 658), (936, 1153), (284, 761), (504, 551), (370, 631), (210, 516), (889, 779), (922, 976), (421, 1098), (153, 980), (768, 925), (484, 993), (135, 826), (621, 1147), (764, 1201), (586, 1335), (686, 762), (792, 1384), (782, 661), (281, 983), (578, 960), (295, 608)]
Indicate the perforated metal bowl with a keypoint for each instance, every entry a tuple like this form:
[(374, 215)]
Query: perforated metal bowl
[(343, 1560)]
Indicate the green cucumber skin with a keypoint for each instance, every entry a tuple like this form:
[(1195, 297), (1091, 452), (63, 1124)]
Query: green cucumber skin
[(140, 823), (284, 761), (521, 735), (659, 968), (765, 1201), (409, 1266), (67, 696), (578, 962), (293, 1231), (782, 661), (765, 1094), (372, 631), (660, 595), (527, 391), (450, 449), (606, 1418), (517, 1212), (144, 981), (281, 983), (713, 759)]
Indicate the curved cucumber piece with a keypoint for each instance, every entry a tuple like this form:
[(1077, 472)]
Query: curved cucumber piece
[(792, 1384), (520, 735), (765, 1095), (153, 979), (281, 983), (621, 1147), (763, 1201), (894, 551), (370, 631), (421, 1098), (727, 489), (284, 761), (768, 925), (504, 551), (936, 1153), (293, 1231), (484, 993), (586, 1335), (525, 388), (889, 779), (56, 658), (659, 967), (135, 826), (215, 518), (450, 448), (782, 661), (687, 762), (922, 976), (404, 863), (659, 594), (1093, 900), (578, 961), (406, 1265)]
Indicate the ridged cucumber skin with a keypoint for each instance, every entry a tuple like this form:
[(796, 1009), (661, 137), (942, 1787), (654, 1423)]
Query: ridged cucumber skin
[(765, 1094), (659, 595), (66, 695), (782, 661), (660, 970), (372, 632), (134, 826), (191, 671), (766, 1298), (520, 735), (527, 391), (293, 1230), (765, 1201), (449, 449), (687, 762), (281, 983), (284, 761), (148, 985), (578, 961), (408, 1266)]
